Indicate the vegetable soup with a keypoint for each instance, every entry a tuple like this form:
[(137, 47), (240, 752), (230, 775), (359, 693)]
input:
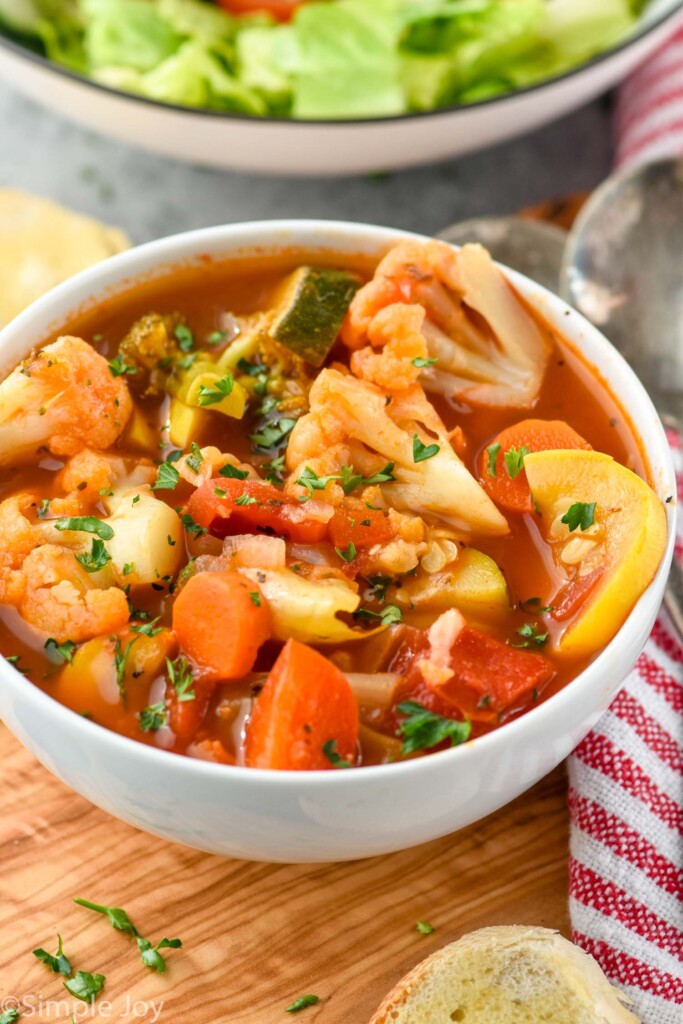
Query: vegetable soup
[(299, 511)]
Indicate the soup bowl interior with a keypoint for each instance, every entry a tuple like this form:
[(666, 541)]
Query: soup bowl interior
[(324, 816)]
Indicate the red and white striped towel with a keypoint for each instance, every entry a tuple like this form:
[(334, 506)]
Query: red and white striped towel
[(626, 778)]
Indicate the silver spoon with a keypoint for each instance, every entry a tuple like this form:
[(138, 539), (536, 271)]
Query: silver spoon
[(621, 265)]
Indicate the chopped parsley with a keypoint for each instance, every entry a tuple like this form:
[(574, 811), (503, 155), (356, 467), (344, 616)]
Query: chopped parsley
[(514, 460), (120, 920), (195, 460), (312, 482), (532, 606), (117, 917), (379, 586), (580, 514), (424, 927), (422, 452), (14, 660), (273, 435), (167, 477), (182, 681), (85, 524), (530, 636), (492, 453), (422, 729), (275, 470), (96, 558), (120, 658), (64, 652), (219, 492), (255, 598), (184, 337), (244, 500), (148, 628), (420, 362), (390, 614), (154, 717), (150, 955), (350, 480), (85, 986), (59, 963), (128, 568), (43, 508), (216, 392), (301, 1003), (118, 368), (348, 553), (191, 526), (12, 1015), (232, 473), (216, 337), (333, 756)]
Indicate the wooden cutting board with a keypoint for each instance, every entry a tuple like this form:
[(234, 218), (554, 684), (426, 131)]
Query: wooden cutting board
[(255, 936)]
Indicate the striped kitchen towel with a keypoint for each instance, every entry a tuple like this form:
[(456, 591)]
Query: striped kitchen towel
[(626, 808)]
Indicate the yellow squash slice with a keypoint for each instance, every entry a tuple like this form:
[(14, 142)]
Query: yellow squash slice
[(624, 543)]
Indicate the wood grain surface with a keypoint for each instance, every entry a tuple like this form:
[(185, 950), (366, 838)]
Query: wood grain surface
[(255, 936)]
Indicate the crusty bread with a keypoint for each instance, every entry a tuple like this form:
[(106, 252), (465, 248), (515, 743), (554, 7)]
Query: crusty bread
[(513, 975)]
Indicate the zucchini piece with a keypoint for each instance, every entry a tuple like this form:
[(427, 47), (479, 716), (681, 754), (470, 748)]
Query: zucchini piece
[(310, 309)]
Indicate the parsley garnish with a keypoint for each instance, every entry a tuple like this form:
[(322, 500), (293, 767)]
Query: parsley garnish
[(119, 920), (492, 452), (275, 470), (300, 1004), (348, 553), (195, 460), (184, 337), (580, 514), (85, 986), (421, 362), (423, 729), (117, 917), (128, 568), (65, 651), (167, 477), (148, 628), (59, 963), (43, 508), (14, 660), (191, 526), (120, 658), (118, 368), (245, 499), (350, 480), (530, 636), (180, 675), (379, 586), (96, 558), (232, 473), (424, 928), (390, 614), (85, 524), (332, 755), (312, 482), (153, 718), (422, 452), (216, 337), (215, 393), (150, 955), (255, 598), (532, 606), (514, 460), (272, 435), (12, 1015)]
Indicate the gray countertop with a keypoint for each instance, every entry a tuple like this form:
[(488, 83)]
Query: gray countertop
[(150, 196)]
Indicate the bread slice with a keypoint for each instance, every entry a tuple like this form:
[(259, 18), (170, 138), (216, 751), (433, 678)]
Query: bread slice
[(512, 975)]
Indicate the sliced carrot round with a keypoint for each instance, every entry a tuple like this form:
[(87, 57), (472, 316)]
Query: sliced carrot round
[(221, 619), (501, 464), (306, 716)]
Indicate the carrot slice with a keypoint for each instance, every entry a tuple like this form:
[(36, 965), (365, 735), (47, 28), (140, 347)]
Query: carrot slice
[(221, 619), (361, 527), (305, 717), (507, 484)]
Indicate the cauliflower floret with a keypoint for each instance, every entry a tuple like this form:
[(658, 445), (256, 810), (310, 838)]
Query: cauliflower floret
[(61, 398), (18, 537), (487, 347), (397, 332), (355, 415), (60, 598)]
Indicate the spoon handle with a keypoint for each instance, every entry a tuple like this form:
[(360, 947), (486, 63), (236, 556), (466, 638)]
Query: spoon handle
[(673, 596)]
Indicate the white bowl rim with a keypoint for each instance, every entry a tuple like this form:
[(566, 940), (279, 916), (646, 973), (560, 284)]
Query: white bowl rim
[(233, 116), (161, 251)]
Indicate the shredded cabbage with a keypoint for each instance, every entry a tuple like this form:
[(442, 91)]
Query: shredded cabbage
[(335, 59)]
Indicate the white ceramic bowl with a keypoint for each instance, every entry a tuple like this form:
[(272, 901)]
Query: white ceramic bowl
[(272, 146), (322, 816)]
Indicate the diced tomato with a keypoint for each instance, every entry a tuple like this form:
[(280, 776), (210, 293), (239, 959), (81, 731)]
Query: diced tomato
[(573, 594), (306, 716), (489, 677), (280, 9), (227, 507), (360, 527)]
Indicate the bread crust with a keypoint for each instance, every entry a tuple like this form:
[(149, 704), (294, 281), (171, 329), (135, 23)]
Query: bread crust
[(578, 969)]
